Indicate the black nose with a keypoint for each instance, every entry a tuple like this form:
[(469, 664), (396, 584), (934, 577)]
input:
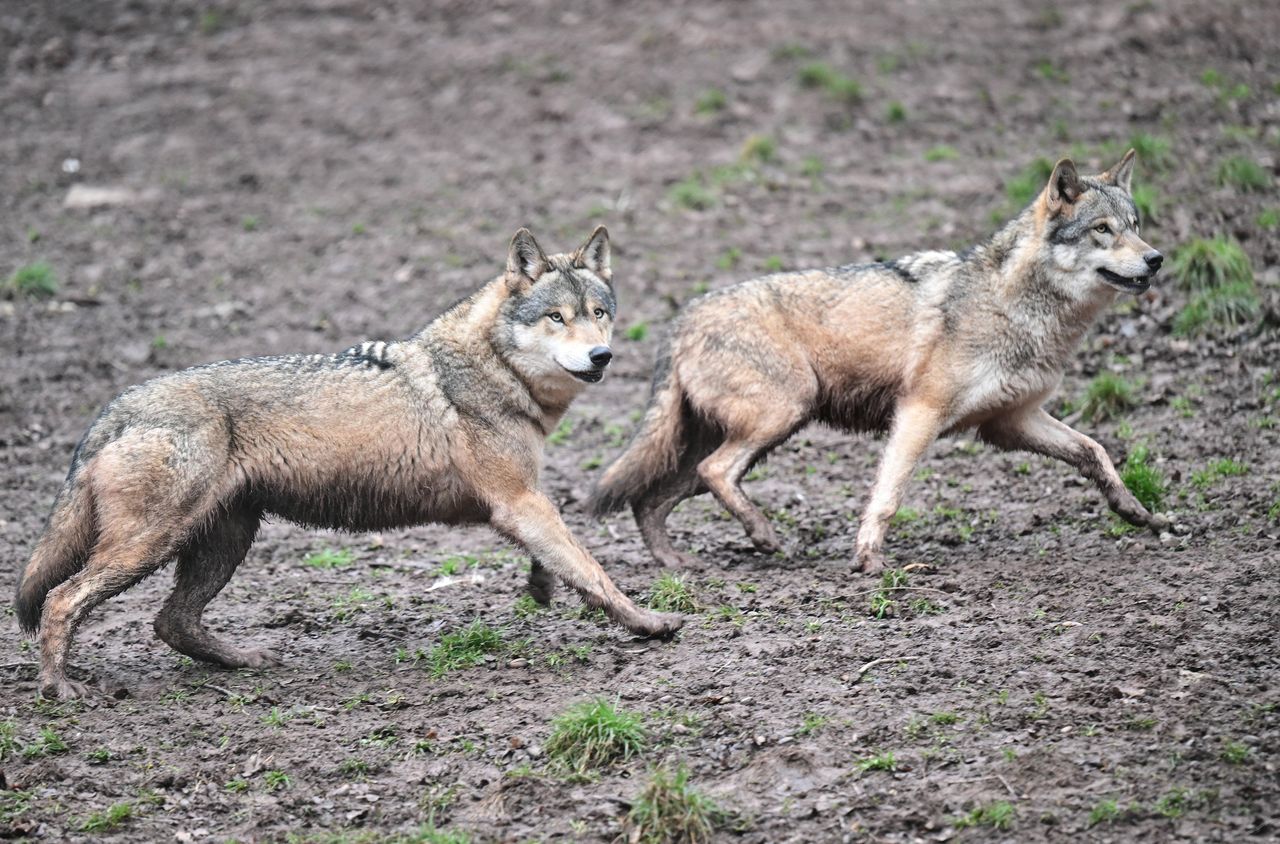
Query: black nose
[(1154, 259), (600, 355)]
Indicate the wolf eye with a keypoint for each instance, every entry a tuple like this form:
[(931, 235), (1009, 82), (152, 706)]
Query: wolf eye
[(599, 313), (555, 316), (1102, 228)]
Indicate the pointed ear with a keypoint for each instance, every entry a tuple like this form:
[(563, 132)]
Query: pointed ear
[(1121, 175), (594, 254), (1064, 186), (525, 261)]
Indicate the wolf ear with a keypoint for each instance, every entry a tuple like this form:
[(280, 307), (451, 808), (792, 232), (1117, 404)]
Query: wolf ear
[(1064, 186), (525, 261), (1121, 175), (594, 254)]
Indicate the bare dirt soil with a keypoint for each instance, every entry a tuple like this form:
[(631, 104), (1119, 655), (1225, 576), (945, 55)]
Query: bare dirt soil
[(305, 176)]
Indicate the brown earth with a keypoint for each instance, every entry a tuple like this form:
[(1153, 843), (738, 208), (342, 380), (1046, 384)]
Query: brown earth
[(307, 177)]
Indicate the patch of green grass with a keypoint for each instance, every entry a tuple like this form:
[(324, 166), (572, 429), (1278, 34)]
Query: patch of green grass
[(1230, 306), (329, 558), (670, 811), (1173, 803), (895, 112), (100, 756), (113, 817), (1107, 396), (1147, 200), (561, 434), (942, 152), (8, 738), (250, 223), (1235, 752), (759, 149), (1026, 186), (236, 786), (1205, 263), (692, 193), (1145, 481), (276, 780), (1107, 811), (879, 762), (1269, 219), (729, 258), (670, 593), (812, 166), (711, 101), (36, 280), (944, 719), (771, 264), (999, 815), (1154, 151), (593, 734), (463, 648), (1204, 478), (837, 85), (637, 332), (47, 743), (1243, 174), (1051, 72), (812, 723)]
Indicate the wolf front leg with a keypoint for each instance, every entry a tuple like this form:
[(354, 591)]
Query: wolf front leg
[(1038, 432), (533, 522), (915, 425)]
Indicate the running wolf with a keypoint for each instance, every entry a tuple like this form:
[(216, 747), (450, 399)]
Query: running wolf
[(930, 344), (445, 426)]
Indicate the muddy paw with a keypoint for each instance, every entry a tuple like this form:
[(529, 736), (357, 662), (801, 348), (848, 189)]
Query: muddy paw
[(257, 658), (657, 625), (541, 590), (1158, 523), (60, 688), (870, 562), (766, 541)]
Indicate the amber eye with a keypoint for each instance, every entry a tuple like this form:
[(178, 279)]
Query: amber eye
[(599, 313), (1102, 228), (556, 317)]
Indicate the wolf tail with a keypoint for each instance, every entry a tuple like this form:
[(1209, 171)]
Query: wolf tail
[(61, 551), (654, 451)]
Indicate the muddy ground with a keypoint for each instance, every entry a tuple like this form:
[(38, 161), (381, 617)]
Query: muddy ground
[(307, 176)]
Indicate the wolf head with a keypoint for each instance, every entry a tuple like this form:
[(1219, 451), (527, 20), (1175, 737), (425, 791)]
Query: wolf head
[(558, 318), (1092, 230)]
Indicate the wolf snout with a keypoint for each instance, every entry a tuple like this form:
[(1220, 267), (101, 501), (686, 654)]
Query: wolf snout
[(600, 356), (1154, 259)]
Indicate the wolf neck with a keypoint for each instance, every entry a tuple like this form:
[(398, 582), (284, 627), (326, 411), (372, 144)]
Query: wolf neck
[(1021, 273), (468, 331)]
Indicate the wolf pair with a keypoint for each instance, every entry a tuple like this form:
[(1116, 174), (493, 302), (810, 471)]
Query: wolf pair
[(448, 425)]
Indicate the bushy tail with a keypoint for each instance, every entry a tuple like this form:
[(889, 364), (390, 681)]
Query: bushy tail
[(653, 452), (60, 553)]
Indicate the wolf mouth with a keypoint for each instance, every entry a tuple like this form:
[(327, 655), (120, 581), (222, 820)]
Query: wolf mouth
[(591, 376), (1136, 284)]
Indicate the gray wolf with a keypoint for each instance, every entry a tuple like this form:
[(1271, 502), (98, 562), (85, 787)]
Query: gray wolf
[(445, 426), (931, 344)]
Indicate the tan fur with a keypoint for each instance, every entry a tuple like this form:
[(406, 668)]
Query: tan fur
[(446, 426), (931, 344)]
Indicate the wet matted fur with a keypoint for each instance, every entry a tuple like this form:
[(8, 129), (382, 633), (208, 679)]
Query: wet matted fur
[(445, 426), (930, 344)]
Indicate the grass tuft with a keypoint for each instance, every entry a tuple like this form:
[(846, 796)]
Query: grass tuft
[(840, 87), (670, 593), (670, 811), (463, 648), (711, 101), (1243, 174), (997, 816), (1107, 396), (1146, 482), (1204, 263), (1229, 306), (117, 814), (1027, 185), (35, 280), (592, 734), (329, 558)]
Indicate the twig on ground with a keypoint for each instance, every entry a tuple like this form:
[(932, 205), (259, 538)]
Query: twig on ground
[(881, 661)]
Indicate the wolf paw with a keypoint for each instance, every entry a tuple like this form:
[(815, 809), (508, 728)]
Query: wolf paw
[(254, 658), (656, 625), (60, 688), (869, 562)]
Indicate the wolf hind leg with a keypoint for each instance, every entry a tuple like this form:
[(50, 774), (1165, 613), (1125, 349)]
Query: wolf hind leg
[(206, 563), (722, 472), (653, 510), (117, 562)]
